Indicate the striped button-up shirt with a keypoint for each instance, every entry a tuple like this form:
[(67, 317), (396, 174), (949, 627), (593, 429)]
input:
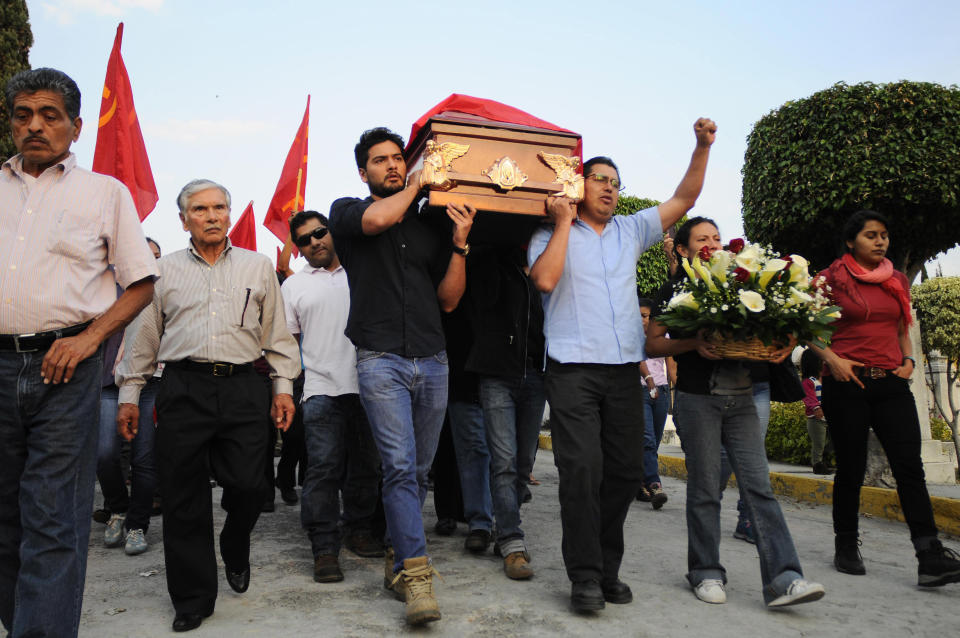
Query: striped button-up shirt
[(58, 234), (229, 311)]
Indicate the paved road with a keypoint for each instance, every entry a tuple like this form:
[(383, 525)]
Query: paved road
[(476, 599)]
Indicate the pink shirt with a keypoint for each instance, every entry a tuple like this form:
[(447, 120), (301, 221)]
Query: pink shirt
[(58, 234)]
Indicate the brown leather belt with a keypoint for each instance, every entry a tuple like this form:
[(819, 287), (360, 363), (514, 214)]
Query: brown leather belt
[(38, 341), (868, 372)]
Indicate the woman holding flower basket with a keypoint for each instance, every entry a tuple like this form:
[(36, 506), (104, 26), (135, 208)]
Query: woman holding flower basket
[(866, 384), (725, 306)]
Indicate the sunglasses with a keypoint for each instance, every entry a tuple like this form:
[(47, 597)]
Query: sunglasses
[(317, 233), (603, 179)]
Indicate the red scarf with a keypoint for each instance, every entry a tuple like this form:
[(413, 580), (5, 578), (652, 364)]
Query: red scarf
[(882, 274)]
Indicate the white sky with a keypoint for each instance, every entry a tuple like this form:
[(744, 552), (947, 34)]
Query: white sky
[(220, 86)]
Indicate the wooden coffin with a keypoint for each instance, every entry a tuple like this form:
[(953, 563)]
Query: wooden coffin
[(494, 166)]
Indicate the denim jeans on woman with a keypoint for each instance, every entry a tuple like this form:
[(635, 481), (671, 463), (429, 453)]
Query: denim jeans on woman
[(405, 399), (513, 413), (709, 423), (138, 502), (48, 446)]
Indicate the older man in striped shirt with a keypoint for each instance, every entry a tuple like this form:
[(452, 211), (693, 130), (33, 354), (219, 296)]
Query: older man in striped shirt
[(218, 309), (60, 228)]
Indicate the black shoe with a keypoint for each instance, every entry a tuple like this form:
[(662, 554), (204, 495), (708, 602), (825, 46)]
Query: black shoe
[(847, 558), (268, 507), (477, 541), (586, 596), (238, 581), (188, 622), (326, 569), (101, 516), (445, 526), (938, 566), (289, 496), (363, 544), (821, 468), (616, 592)]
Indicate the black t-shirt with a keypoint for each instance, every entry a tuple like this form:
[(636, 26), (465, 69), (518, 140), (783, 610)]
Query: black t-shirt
[(393, 280), (695, 374)]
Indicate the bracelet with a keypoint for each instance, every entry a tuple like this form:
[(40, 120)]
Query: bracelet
[(904, 360), (649, 376)]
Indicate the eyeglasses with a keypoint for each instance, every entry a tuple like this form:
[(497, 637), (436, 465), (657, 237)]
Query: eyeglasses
[(317, 233), (603, 179)]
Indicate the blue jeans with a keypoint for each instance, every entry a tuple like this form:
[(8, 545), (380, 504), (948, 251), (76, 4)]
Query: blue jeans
[(654, 419), (513, 413), (405, 398), (143, 477), (473, 462), (708, 423), (341, 456), (761, 401), (48, 445)]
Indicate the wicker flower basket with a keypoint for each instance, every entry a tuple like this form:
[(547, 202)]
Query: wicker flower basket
[(752, 349)]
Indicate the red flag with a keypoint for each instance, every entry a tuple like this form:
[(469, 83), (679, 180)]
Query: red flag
[(244, 232), (289, 196), (120, 151)]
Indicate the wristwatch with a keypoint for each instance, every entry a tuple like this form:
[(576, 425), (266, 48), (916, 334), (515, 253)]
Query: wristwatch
[(463, 252)]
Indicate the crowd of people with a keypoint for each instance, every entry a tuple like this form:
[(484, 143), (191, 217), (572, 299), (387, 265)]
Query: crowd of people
[(396, 331)]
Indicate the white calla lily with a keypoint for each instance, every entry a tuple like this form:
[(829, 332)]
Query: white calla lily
[(749, 259), (720, 264), (771, 268), (798, 297), (683, 300), (751, 300)]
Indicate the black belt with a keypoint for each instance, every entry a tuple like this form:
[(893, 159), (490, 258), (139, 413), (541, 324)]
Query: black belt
[(215, 368), (869, 372), (37, 341)]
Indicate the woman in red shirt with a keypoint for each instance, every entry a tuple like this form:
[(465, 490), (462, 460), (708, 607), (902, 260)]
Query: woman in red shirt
[(866, 384)]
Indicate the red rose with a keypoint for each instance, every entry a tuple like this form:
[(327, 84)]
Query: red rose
[(705, 253), (741, 274), (789, 261), (736, 245)]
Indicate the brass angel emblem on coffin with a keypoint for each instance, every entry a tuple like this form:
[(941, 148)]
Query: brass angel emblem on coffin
[(566, 171), (436, 162)]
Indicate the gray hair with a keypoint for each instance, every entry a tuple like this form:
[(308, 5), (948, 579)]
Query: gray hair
[(195, 186), (33, 80)]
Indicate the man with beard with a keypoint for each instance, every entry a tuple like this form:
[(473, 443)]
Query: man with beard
[(401, 275), (341, 456)]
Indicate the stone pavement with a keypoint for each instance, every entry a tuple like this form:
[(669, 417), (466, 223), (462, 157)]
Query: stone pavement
[(476, 599)]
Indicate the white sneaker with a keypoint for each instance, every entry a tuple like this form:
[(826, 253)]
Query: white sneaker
[(113, 536), (799, 591), (710, 590), (136, 542)]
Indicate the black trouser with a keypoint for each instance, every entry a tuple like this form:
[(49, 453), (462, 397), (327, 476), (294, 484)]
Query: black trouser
[(596, 422), (447, 497), (292, 466), (210, 425), (887, 406)]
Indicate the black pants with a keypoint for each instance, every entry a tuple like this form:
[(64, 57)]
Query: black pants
[(447, 497), (596, 421), (887, 406), (210, 425), (292, 467)]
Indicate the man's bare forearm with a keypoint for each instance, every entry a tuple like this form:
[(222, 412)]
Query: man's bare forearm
[(124, 310)]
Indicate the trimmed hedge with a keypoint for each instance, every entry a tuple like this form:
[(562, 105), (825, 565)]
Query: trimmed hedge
[(787, 438)]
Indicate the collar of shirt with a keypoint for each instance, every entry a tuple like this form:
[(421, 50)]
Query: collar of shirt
[(15, 164), (221, 256), (310, 270)]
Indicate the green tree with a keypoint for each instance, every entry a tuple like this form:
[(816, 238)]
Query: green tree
[(15, 42), (652, 267), (893, 148), (937, 302)]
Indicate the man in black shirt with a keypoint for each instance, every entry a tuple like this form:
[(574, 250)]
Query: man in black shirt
[(401, 275)]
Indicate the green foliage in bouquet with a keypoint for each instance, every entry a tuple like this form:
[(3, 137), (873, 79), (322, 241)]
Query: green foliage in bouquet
[(749, 291)]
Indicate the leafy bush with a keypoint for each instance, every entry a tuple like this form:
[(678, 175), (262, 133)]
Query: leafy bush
[(894, 148), (787, 439), (939, 429), (652, 267)]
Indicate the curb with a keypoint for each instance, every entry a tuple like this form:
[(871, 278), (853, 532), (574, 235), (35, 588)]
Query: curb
[(874, 501)]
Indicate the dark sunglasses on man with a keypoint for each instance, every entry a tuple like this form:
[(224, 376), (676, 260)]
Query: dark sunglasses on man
[(317, 233)]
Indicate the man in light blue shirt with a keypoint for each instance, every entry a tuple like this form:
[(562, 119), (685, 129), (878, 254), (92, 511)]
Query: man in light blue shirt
[(585, 266)]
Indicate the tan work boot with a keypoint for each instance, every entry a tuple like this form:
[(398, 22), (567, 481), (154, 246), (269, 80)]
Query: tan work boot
[(417, 578), (390, 580), (516, 565)]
